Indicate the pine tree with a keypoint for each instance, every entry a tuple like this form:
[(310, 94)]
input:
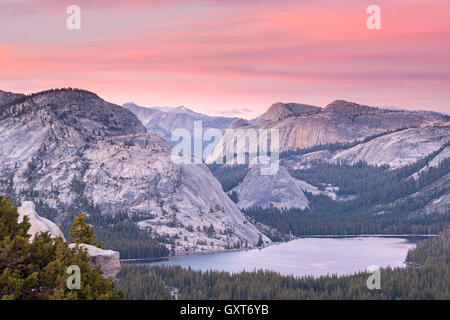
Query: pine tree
[(81, 232), (260, 241), (37, 270)]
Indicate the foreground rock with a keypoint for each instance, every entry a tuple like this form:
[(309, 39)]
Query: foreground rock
[(107, 259), (38, 224)]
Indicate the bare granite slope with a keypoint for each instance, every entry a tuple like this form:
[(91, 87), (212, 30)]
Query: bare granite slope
[(396, 149), (280, 191)]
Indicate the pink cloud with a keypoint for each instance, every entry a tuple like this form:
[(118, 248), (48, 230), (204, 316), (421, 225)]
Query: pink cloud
[(235, 54)]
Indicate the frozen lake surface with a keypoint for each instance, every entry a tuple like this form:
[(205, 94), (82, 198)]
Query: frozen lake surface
[(306, 256)]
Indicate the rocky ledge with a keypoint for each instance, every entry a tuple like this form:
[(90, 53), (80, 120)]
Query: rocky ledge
[(107, 259)]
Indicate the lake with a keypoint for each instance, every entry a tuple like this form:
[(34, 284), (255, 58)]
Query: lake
[(306, 256)]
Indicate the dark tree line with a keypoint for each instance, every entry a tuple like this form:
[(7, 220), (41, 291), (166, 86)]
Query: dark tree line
[(229, 176), (120, 233)]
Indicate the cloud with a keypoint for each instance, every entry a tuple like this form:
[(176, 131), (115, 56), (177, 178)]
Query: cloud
[(221, 53)]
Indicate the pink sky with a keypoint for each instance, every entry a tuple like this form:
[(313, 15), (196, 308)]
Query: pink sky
[(231, 56)]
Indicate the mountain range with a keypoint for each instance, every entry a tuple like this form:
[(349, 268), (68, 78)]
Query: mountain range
[(162, 121), (303, 126), (341, 133), (69, 151)]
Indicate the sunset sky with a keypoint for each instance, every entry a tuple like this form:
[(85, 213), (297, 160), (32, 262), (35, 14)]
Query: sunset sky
[(231, 57)]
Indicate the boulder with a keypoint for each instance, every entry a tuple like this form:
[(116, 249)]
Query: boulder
[(107, 259), (38, 223)]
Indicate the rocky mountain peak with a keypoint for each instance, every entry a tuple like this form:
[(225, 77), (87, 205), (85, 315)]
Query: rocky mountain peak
[(349, 108), (81, 110), (183, 109), (280, 111)]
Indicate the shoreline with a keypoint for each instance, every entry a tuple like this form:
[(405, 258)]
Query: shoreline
[(191, 253), (367, 236)]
